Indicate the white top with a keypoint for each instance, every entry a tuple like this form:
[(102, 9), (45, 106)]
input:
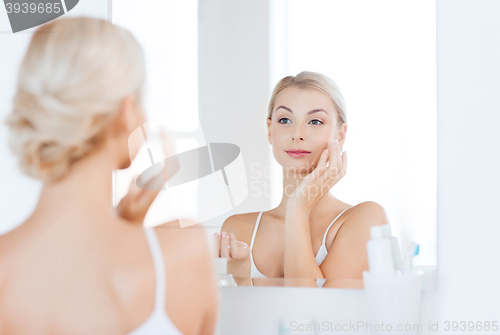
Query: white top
[(158, 321), (320, 256)]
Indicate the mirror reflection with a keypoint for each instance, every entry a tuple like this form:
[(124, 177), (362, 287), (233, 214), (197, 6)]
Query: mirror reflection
[(307, 127), (350, 128), (360, 72)]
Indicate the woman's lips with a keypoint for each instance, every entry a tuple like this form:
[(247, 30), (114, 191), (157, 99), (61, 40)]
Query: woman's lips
[(298, 154)]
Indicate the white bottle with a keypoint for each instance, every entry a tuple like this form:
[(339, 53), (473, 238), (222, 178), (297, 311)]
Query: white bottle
[(379, 250), (221, 265), (396, 253)]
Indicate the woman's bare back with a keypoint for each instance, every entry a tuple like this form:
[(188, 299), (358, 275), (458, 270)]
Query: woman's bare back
[(61, 276)]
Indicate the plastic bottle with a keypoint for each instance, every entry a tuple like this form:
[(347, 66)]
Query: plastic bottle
[(396, 253), (380, 259)]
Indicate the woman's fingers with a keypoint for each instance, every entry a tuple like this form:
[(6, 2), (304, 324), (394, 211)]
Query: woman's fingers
[(216, 239), (134, 206), (233, 246), (335, 162), (133, 190), (344, 162), (146, 195), (229, 247), (243, 249), (224, 245), (339, 155), (323, 178), (334, 154), (321, 167), (336, 169)]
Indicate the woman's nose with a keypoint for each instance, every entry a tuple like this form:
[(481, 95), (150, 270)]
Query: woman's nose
[(297, 134)]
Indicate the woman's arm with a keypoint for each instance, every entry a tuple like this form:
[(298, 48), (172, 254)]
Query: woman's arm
[(347, 257), (300, 262)]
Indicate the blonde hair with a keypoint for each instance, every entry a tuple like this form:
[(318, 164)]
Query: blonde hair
[(315, 81), (72, 81)]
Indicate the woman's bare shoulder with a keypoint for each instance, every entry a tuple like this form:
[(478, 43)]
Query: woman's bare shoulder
[(190, 261), (238, 220), (191, 239), (347, 255), (15, 245), (241, 225), (368, 213)]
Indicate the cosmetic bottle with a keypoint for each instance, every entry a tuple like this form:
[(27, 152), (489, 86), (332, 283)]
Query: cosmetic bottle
[(393, 297), (225, 279), (396, 253), (380, 259), (221, 265)]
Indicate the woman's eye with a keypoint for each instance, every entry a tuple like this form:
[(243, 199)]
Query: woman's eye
[(316, 121), (285, 120)]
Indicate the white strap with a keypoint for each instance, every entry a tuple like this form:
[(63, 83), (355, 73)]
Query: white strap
[(326, 232), (255, 230), (159, 265)]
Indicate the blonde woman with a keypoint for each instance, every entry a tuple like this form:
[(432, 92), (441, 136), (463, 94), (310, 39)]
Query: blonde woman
[(75, 266), (311, 234)]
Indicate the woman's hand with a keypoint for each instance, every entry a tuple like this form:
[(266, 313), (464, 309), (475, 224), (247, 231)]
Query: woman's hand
[(227, 246), (319, 182), (134, 206)]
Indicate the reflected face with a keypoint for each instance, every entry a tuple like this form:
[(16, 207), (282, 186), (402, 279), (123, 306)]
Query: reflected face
[(302, 124)]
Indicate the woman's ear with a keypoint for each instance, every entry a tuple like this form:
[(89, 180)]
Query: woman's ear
[(341, 134), (129, 117)]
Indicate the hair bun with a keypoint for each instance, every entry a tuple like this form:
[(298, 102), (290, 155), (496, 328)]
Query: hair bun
[(70, 85)]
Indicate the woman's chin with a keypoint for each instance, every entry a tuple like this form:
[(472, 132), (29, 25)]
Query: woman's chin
[(299, 167)]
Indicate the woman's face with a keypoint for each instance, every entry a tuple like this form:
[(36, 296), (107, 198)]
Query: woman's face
[(303, 122)]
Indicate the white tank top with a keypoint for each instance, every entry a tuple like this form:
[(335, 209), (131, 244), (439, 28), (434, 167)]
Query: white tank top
[(320, 256), (158, 321)]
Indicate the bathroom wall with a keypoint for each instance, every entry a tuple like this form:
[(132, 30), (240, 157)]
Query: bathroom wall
[(468, 68), (233, 63)]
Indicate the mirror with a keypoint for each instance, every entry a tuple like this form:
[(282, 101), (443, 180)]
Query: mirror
[(381, 54), (212, 67)]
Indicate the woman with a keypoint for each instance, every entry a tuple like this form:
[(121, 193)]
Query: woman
[(74, 266), (301, 238)]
